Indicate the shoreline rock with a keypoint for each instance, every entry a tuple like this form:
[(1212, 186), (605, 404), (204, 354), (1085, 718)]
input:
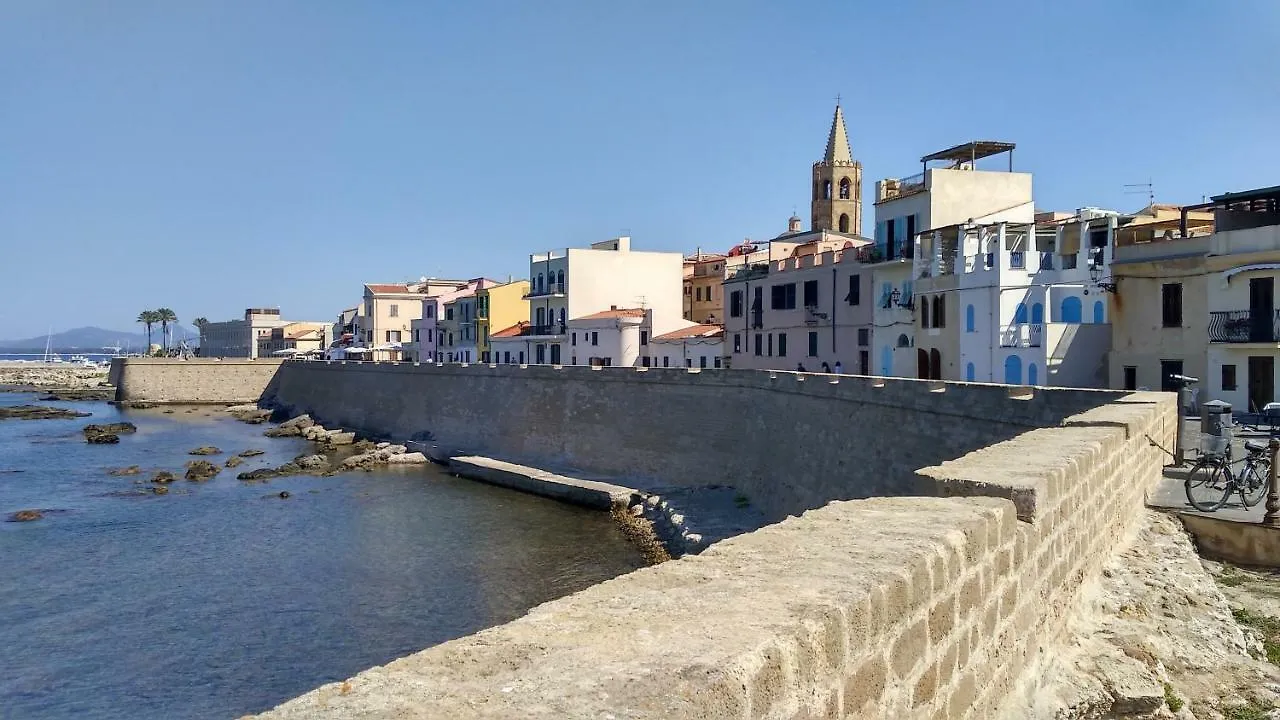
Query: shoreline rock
[(205, 450), (108, 433), (39, 412), (124, 471), (26, 516), (200, 470)]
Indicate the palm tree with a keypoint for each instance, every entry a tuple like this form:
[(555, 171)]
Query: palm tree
[(166, 316), (148, 318), (200, 322)]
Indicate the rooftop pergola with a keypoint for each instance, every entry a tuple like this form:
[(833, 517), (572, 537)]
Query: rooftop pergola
[(971, 152), (1261, 200)]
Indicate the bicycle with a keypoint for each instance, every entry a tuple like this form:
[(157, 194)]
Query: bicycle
[(1211, 481)]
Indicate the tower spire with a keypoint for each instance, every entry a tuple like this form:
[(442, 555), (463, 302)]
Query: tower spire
[(838, 140)]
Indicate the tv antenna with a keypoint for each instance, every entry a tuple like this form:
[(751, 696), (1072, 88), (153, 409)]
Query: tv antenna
[(1146, 188)]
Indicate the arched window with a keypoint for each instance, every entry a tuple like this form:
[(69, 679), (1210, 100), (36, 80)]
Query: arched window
[(886, 360), (922, 364), (560, 280), (826, 189), (540, 315), (939, 311), (968, 372), (924, 312), (904, 341), (1031, 374), (1099, 312), (844, 223), (969, 320), (1013, 370), (1037, 314), (844, 188), (1020, 314), (538, 285), (561, 316), (1071, 310), (935, 364)]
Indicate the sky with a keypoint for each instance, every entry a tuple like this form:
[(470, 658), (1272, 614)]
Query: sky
[(214, 155)]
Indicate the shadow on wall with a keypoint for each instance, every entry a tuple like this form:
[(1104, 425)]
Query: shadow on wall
[(789, 441)]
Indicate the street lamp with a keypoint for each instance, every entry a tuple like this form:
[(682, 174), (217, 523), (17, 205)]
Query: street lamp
[(1095, 275)]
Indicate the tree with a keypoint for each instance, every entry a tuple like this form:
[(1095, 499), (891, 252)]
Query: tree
[(165, 316), (148, 318), (200, 322)]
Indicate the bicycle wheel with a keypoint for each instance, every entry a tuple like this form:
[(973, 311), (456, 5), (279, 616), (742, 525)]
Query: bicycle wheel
[(1253, 486), (1208, 486)]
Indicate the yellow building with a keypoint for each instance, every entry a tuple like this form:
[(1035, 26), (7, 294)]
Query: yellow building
[(499, 307)]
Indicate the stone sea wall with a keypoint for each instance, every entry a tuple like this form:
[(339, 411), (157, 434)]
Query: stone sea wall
[(164, 380), (940, 602)]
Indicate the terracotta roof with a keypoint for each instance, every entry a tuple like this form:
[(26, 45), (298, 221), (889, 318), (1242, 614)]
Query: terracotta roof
[(379, 288), (705, 331), (514, 331), (615, 313)]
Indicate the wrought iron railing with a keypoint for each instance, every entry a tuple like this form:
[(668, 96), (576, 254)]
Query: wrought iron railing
[(552, 329), (1021, 335), (548, 289), (1243, 326)]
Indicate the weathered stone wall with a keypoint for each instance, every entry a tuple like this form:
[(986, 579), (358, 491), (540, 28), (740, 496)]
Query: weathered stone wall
[(887, 607), (191, 381), (790, 442)]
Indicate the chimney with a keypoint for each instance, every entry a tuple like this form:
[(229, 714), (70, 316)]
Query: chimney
[(613, 307)]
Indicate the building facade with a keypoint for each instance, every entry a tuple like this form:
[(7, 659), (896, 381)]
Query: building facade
[(697, 346), (296, 338), (239, 338), (499, 307)]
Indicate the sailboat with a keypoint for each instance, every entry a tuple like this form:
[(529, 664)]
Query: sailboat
[(49, 355)]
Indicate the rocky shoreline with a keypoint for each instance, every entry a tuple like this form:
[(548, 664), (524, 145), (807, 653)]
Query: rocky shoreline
[(56, 382)]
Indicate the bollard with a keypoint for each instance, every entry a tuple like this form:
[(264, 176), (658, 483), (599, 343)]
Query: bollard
[(1272, 517)]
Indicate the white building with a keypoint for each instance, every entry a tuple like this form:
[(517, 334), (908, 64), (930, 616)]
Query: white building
[(696, 346), (1016, 303), (579, 282), (955, 192), (239, 338), (613, 337)]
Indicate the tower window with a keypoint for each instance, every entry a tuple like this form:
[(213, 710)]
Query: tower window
[(826, 189), (844, 223), (844, 188)]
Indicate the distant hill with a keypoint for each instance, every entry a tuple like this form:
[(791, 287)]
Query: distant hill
[(93, 339)]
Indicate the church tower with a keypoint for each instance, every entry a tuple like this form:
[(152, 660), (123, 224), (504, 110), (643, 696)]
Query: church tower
[(837, 184)]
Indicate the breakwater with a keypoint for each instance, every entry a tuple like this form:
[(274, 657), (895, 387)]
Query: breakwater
[(941, 599)]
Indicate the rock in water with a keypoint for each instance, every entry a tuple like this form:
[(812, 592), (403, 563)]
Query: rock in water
[(415, 458), (160, 490), (38, 412), (311, 462), (302, 422), (198, 470), (205, 450), (117, 428), (131, 470), (164, 476), (282, 432), (233, 461), (26, 516), (259, 474), (284, 494), (104, 438), (252, 453)]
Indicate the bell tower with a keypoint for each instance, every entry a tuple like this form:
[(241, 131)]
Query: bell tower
[(837, 184)]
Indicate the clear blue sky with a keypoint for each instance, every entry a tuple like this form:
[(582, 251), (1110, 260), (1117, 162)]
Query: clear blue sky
[(210, 155)]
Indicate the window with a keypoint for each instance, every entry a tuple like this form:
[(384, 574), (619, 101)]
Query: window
[(521, 353), (506, 357), (855, 290), (555, 354), (844, 188), (686, 289), (737, 343), (782, 344), (810, 293), (429, 336), (924, 312), (431, 311), (644, 337), (1069, 262), (1169, 368), (783, 297), (448, 313), (735, 303), (770, 344), (939, 311), (969, 318), (864, 337), (573, 339), (560, 281), (1171, 305), (393, 336), (1017, 260), (562, 319), (702, 362), (666, 361), (1228, 377), (813, 344), (708, 293), (573, 360), (717, 362), (644, 361), (844, 223), (864, 362), (697, 294), (595, 338), (759, 345), (393, 310)]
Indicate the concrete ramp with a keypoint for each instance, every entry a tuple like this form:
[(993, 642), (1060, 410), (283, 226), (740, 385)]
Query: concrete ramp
[(587, 493)]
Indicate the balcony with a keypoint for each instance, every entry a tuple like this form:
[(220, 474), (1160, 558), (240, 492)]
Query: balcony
[(892, 189), (547, 330), (551, 290), (1021, 335), (1244, 326)]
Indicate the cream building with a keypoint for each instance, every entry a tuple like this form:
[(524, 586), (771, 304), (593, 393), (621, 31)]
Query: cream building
[(425, 343), (705, 273), (578, 282), (389, 309), (296, 338), (239, 338)]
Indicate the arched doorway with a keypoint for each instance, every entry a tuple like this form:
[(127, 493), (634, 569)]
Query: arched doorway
[(1071, 310), (1099, 312), (1013, 370), (1032, 375), (922, 363), (968, 372), (1037, 314), (935, 364)]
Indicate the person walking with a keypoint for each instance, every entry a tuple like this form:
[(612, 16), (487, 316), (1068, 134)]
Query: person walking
[(826, 368), (839, 368), (800, 367)]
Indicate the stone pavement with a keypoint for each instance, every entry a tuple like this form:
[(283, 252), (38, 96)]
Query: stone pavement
[(1170, 493)]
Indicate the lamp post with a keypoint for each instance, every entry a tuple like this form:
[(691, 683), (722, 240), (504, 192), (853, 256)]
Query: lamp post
[(1272, 518)]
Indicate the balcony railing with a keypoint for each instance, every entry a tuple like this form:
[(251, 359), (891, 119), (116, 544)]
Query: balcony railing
[(1244, 326), (549, 289), (1021, 335), (552, 329)]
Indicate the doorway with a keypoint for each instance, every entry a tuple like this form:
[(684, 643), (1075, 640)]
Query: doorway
[(1261, 310), (1262, 383), (1169, 368)]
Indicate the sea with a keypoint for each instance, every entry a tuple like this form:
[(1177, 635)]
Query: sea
[(222, 598)]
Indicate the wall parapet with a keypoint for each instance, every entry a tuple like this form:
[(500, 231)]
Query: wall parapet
[(193, 381)]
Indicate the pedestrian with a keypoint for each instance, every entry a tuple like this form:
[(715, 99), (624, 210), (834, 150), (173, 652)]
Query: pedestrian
[(826, 368), (800, 367), (839, 368)]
